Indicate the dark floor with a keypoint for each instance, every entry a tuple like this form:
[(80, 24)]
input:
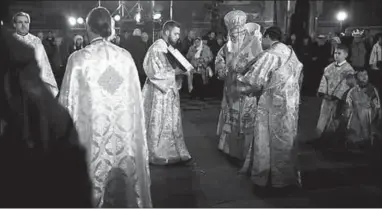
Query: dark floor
[(212, 181)]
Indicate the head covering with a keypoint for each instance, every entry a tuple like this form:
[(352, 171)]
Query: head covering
[(198, 48), (253, 29), (137, 32), (75, 47), (76, 37), (357, 33), (336, 39), (235, 19)]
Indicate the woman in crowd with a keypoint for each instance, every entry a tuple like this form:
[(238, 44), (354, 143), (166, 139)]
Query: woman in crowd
[(78, 43), (200, 56)]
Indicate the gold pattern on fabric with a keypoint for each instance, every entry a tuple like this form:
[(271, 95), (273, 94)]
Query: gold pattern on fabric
[(102, 93), (110, 80), (237, 116), (46, 73), (333, 83), (162, 108), (271, 152), (362, 114)]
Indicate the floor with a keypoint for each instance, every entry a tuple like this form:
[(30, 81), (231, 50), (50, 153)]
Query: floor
[(212, 181)]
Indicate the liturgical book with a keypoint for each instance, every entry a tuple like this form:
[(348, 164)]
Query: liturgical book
[(186, 65)]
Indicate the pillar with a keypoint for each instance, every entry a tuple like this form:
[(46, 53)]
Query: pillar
[(315, 12)]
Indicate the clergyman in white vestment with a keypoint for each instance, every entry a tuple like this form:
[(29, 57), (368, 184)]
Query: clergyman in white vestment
[(21, 22), (102, 92)]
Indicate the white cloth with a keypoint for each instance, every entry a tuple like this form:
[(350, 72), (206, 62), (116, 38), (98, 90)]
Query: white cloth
[(229, 45), (376, 55), (336, 39), (254, 29), (101, 91), (75, 42), (76, 37), (113, 33), (137, 32), (46, 73), (162, 107), (199, 50)]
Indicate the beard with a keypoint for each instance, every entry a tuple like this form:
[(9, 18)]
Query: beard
[(235, 47), (172, 41), (237, 44)]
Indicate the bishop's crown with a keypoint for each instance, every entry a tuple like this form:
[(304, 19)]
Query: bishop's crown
[(235, 19), (357, 33)]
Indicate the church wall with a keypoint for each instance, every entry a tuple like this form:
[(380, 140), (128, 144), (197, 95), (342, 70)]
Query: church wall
[(365, 13), (261, 12)]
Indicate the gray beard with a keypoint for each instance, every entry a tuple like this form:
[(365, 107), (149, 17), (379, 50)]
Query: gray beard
[(236, 46)]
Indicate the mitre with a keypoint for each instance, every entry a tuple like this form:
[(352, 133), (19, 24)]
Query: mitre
[(235, 19)]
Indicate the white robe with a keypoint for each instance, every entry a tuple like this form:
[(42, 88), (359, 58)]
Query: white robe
[(101, 90), (162, 108), (46, 73), (276, 75)]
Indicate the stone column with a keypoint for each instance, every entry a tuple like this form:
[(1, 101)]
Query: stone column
[(280, 15), (291, 4), (315, 12), (268, 15)]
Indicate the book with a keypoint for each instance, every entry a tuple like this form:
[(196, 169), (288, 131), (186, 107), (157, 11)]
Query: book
[(185, 64)]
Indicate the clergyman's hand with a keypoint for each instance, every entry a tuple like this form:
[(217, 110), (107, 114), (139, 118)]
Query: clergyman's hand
[(178, 71)]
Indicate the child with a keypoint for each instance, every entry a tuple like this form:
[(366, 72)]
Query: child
[(362, 111), (333, 88)]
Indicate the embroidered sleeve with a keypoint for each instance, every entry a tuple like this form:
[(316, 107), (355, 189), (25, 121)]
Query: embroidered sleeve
[(70, 96), (156, 67), (46, 70), (220, 64)]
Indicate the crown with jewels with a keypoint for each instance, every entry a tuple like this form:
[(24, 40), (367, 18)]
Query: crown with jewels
[(235, 19), (357, 33)]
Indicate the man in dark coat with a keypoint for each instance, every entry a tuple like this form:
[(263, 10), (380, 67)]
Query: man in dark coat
[(43, 164)]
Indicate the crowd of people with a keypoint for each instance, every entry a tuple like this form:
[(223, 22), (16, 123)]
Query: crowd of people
[(118, 106), (202, 53), (338, 68), (316, 53)]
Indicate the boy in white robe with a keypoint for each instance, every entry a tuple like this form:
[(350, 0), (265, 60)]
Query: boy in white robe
[(332, 90)]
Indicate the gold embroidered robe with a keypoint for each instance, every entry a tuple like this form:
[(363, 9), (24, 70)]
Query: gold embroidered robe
[(162, 107), (101, 90), (237, 115), (276, 76), (46, 73), (363, 113), (333, 84)]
